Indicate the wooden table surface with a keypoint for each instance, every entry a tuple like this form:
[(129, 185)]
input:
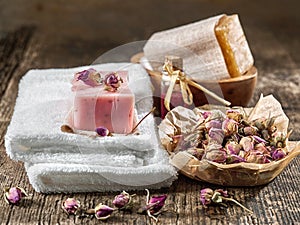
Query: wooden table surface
[(40, 34)]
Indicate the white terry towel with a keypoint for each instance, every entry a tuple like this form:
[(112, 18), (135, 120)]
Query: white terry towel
[(34, 136)]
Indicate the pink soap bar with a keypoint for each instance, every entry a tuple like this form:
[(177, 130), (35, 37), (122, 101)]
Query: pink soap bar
[(95, 107)]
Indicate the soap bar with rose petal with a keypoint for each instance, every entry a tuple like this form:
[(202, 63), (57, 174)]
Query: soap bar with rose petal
[(95, 107)]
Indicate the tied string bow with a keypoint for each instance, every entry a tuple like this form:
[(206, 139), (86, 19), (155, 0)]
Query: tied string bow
[(184, 86), (185, 89)]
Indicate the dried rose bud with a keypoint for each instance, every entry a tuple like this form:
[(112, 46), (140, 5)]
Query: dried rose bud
[(90, 77), (216, 135), (229, 126), (278, 154), (278, 140), (208, 196), (249, 131), (122, 200), (14, 195), (265, 134), (233, 147), (260, 147), (153, 205), (242, 154), (215, 153), (260, 123), (247, 143), (71, 206), (156, 202), (234, 159), (103, 212), (234, 114), (213, 124), (256, 157), (205, 196), (112, 82), (102, 131)]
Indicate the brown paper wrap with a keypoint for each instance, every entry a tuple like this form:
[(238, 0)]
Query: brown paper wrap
[(181, 120)]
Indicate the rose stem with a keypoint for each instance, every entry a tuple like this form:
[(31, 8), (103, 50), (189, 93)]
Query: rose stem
[(236, 202), (133, 129)]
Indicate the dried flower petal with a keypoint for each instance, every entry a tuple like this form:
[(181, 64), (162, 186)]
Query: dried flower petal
[(70, 206), (103, 212), (112, 82), (14, 195), (258, 139)]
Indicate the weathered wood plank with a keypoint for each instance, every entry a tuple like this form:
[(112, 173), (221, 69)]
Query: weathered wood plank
[(275, 203)]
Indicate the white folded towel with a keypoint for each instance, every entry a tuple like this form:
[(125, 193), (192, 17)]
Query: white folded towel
[(34, 136), (68, 178)]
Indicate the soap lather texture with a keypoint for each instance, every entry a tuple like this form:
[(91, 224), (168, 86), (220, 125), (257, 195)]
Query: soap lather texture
[(95, 107)]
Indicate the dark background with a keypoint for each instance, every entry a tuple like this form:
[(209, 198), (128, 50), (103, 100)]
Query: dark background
[(73, 33)]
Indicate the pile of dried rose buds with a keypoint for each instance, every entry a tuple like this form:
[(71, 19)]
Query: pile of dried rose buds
[(231, 138)]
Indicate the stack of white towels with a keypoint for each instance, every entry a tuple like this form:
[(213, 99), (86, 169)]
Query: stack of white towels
[(56, 161)]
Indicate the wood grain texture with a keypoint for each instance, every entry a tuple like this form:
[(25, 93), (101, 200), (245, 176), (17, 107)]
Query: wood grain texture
[(279, 74)]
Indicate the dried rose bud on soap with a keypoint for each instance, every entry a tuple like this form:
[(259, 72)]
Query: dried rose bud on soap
[(90, 77), (102, 131), (112, 82)]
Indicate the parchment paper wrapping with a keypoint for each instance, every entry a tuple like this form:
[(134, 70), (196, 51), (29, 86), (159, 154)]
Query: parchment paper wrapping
[(181, 120), (196, 43)]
